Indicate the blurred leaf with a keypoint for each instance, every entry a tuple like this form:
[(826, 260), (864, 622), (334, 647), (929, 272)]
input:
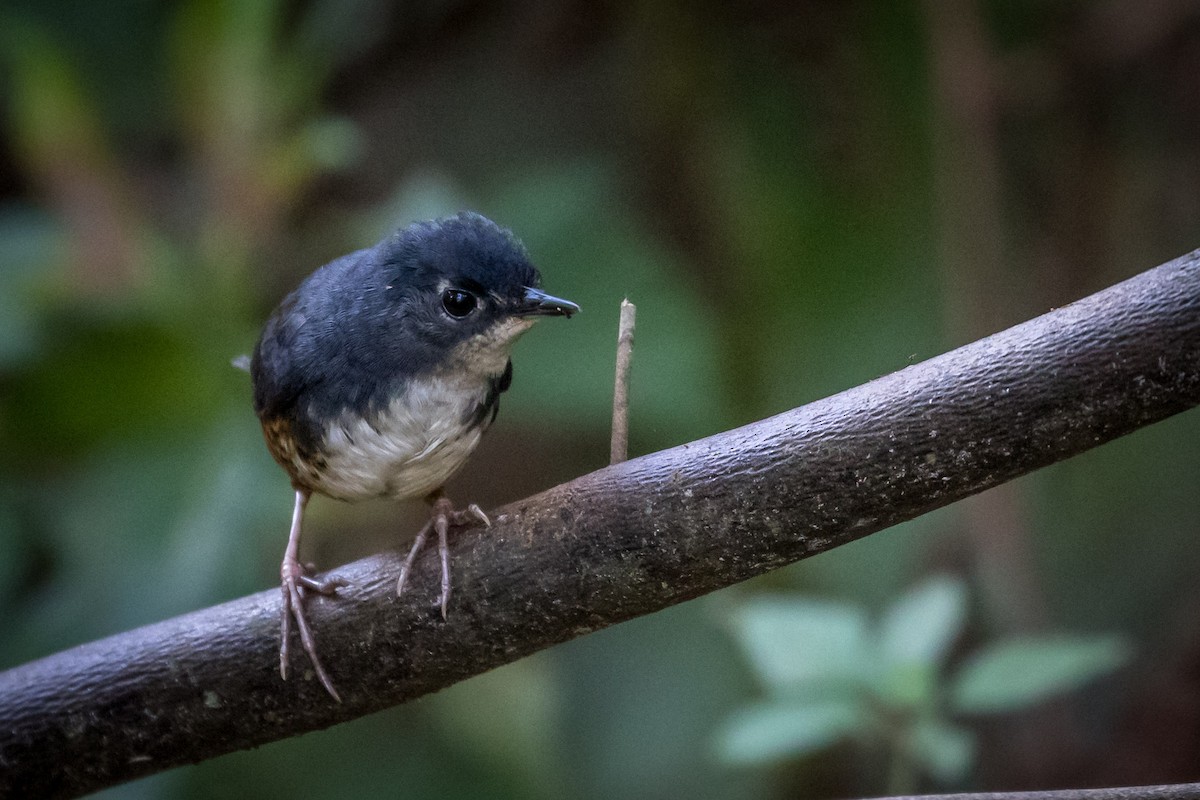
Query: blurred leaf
[(639, 721), (908, 687), (106, 381), (769, 732), (139, 533), (1018, 673), (33, 245), (222, 52), (792, 642), (326, 143), (51, 117), (424, 193), (248, 90), (944, 751), (223, 506), (517, 734), (921, 625), (60, 142)]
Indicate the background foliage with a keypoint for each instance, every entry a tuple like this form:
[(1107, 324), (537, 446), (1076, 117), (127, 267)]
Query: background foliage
[(800, 196)]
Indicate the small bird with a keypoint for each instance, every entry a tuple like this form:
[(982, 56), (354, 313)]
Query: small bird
[(380, 373)]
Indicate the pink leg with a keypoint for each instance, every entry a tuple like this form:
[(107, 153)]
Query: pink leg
[(294, 582), (441, 519), (406, 567)]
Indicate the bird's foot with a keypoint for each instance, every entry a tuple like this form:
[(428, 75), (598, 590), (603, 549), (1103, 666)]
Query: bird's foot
[(442, 517), (295, 583)]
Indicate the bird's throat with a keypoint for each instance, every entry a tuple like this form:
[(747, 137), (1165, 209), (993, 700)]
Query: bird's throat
[(485, 355)]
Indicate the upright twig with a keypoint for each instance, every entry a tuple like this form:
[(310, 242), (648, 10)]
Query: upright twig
[(619, 450)]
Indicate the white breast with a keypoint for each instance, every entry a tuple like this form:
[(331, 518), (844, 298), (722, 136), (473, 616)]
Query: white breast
[(417, 443), (408, 450)]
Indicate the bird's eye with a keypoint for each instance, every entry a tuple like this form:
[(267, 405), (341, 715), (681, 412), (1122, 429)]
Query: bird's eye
[(458, 303)]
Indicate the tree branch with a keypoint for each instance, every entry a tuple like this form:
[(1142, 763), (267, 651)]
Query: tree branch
[(626, 540), (1174, 791)]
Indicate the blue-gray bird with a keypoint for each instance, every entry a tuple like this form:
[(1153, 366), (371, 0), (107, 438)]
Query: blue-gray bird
[(380, 373)]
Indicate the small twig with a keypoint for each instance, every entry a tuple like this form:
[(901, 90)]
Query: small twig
[(619, 450)]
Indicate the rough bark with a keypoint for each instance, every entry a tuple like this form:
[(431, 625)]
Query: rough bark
[(1176, 791), (623, 541)]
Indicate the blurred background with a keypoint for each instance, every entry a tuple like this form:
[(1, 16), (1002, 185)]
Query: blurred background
[(799, 196)]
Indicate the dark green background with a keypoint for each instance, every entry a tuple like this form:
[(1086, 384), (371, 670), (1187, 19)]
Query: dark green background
[(799, 196)]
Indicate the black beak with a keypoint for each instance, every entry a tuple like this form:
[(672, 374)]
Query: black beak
[(537, 303)]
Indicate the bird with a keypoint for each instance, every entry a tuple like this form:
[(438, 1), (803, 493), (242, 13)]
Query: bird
[(380, 373)]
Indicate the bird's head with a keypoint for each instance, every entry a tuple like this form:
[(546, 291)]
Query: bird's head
[(464, 287)]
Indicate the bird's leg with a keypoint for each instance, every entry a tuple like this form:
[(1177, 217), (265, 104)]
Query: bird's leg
[(294, 583), (442, 517)]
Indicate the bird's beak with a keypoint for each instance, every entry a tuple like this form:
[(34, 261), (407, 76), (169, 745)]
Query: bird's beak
[(537, 303)]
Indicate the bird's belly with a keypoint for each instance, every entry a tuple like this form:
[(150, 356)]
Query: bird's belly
[(407, 450)]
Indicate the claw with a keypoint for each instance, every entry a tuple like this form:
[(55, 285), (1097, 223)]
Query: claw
[(442, 524), (327, 587), (476, 512), (406, 567), (294, 583), (443, 517), (293, 588)]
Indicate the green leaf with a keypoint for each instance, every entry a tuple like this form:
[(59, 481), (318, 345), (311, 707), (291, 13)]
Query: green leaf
[(1021, 672), (793, 643), (944, 751), (769, 732), (920, 627), (908, 686)]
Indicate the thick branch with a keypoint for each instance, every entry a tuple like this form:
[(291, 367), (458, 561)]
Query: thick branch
[(1175, 791), (626, 540)]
